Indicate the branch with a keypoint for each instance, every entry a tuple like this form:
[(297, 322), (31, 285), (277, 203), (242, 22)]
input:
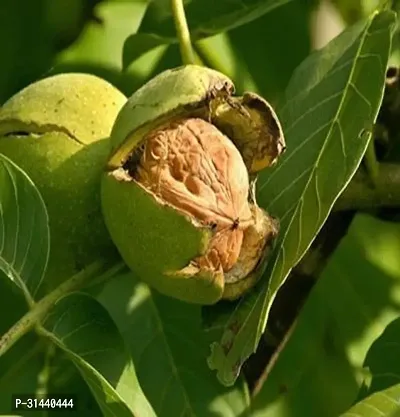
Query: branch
[(42, 307), (361, 195)]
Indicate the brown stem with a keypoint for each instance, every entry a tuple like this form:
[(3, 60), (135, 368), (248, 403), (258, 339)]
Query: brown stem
[(361, 195)]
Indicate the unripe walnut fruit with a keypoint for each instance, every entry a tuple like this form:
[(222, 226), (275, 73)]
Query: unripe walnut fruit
[(57, 130), (183, 167)]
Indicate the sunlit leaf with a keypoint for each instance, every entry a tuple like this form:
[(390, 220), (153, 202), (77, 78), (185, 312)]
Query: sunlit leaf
[(354, 10), (381, 404), (320, 370), (382, 361), (98, 50), (205, 18), (263, 68), (169, 349), (139, 44), (24, 229), (331, 103), (82, 327)]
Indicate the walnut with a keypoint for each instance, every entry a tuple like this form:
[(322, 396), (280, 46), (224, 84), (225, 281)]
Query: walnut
[(178, 194), (192, 166)]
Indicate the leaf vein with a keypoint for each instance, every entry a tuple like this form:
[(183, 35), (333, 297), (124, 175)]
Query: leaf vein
[(288, 187), (360, 94), (299, 146), (311, 110)]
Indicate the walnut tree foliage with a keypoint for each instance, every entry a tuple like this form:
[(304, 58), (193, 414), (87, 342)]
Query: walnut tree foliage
[(318, 335)]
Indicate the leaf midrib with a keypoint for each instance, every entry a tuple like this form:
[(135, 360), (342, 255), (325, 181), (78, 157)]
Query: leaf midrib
[(176, 374), (335, 119), (58, 342), (266, 300)]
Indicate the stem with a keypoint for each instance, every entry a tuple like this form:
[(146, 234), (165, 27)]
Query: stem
[(42, 307), (360, 195), (274, 358), (371, 162), (183, 33)]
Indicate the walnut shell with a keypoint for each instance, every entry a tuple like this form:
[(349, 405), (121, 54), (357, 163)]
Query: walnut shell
[(192, 166), (178, 194)]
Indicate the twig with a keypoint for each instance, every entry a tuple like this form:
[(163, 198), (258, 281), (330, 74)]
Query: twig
[(273, 360), (371, 162), (360, 195), (42, 307), (183, 33)]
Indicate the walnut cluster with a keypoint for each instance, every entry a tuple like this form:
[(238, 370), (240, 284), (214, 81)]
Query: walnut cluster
[(192, 166)]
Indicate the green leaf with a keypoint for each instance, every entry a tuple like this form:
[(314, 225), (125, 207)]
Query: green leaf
[(65, 379), (98, 49), (22, 369), (169, 348), (381, 404), (205, 18), (82, 327), (29, 368), (19, 370), (354, 10), (263, 68), (24, 229), (354, 299), (139, 44), (29, 36), (382, 360), (331, 103), (24, 355)]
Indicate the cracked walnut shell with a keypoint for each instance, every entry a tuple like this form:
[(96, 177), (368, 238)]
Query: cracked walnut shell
[(178, 193), (192, 166)]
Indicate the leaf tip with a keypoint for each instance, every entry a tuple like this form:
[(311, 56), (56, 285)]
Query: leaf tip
[(218, 361)]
